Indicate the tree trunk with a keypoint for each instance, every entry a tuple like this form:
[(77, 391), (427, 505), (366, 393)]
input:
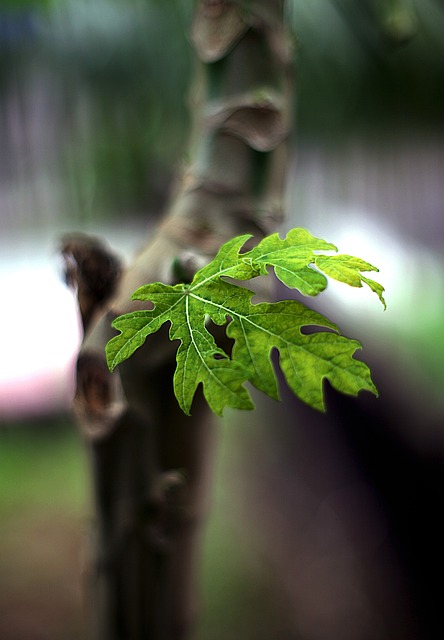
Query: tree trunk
[(151, 464)]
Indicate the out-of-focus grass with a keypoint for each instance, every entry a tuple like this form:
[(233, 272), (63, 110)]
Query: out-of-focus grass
[(43, 520), (41, 467)]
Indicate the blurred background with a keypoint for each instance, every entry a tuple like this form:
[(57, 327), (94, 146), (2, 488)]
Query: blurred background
[(323, 526)]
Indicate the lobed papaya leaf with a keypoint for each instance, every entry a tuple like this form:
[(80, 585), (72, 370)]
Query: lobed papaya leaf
[(306, 358)]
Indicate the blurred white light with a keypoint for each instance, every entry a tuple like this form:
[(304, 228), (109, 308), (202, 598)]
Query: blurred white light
[(40, 335)]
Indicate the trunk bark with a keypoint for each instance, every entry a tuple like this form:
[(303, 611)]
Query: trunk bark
[(151, 464)]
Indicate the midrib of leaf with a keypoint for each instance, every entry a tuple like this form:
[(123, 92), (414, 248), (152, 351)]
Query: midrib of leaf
[(247, 342), (190, 329), (214, 276), (117, 358), (268, 258), (297, 277), (231, 312), (295, 369)]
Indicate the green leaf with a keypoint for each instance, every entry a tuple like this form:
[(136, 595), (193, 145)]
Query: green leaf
[(290, 258), (306, 358), (348, 269)]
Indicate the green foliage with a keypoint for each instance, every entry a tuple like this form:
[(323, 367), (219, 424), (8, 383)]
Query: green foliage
[(256, 329)]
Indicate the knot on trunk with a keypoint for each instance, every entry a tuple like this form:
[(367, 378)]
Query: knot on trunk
[(92, 269), (99, 399)]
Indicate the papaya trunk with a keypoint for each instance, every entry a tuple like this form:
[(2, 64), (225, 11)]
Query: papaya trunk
[(151, 465)]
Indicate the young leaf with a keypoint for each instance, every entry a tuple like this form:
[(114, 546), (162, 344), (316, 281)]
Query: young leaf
[(348, 269), (290, 258), (256, 329)]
